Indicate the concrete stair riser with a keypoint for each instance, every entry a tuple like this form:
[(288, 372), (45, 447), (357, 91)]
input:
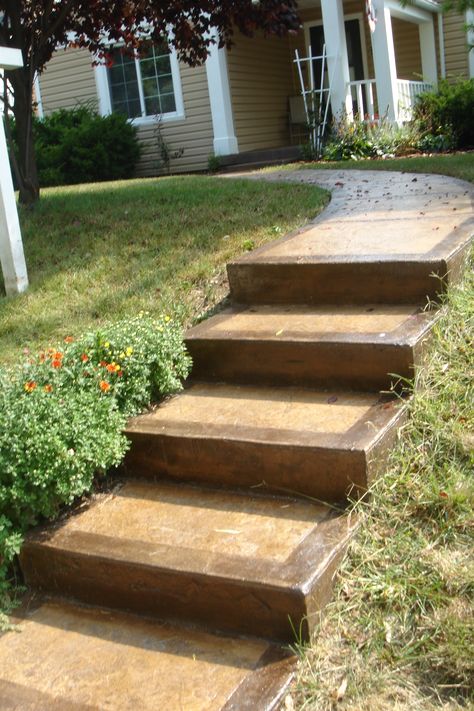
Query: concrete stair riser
[(304, 282), (359, 366)]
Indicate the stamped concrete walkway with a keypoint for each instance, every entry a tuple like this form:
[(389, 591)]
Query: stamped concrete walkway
[(181, 589)]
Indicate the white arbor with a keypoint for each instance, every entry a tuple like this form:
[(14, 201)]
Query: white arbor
[(12, 257)]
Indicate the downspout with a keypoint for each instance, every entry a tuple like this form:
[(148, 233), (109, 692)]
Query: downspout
[(442, 55)]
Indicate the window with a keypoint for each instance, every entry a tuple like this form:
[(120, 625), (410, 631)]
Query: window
[(146, 86)]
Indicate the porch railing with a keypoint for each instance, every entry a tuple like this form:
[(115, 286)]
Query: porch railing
[(408, 91), (364, 98)]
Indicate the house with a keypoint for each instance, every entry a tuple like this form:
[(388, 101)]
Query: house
[(239, 101)]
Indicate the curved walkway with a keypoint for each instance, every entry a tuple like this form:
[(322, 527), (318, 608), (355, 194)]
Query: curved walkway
[(379, 213)]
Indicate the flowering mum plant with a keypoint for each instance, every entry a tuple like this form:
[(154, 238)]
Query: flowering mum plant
[(63, 410)]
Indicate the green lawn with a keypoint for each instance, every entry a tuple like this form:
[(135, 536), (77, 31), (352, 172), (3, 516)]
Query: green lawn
[(100, 252), (458, 165)]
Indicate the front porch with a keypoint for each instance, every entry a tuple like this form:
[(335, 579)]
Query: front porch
[(371, 74)]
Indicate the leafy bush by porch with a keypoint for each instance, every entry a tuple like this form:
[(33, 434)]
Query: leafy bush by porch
[(80, 146), (62, 413), (352, 140), (448, 113)]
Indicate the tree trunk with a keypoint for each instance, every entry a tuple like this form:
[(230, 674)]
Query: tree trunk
[(24, 166)]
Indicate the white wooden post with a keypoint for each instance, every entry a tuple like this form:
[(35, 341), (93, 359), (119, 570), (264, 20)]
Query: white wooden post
[(225, 141), (470, 40), (384, 63), (429, 65), (338, 63), (12, 257)]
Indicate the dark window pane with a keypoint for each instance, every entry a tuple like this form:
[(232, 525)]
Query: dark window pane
[(166, 84), (152, 105), (168, 103), (149, 87)]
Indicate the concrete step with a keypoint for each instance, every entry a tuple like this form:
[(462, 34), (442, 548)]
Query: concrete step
[(250, 565), (71, 658), (355, 261), (309, 442), (350, 346)]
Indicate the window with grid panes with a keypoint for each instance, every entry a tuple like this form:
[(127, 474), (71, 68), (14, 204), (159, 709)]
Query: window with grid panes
[(144, 86)]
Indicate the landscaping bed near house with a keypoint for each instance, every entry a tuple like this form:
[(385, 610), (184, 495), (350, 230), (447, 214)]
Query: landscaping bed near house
[(398, 633), (101, 252)]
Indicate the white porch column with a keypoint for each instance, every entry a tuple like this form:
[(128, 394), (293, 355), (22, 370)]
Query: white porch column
[(12, 257), (429, 66), (384, 62), (470, 40), (338, 63), (225, 141)]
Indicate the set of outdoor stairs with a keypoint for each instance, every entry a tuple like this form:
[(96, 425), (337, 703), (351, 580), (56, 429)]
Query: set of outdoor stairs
[(181, 588)]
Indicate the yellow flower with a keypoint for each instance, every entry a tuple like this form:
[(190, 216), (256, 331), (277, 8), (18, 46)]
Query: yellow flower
[(121, 355), (106, 344), (129, 351), (167, 318)]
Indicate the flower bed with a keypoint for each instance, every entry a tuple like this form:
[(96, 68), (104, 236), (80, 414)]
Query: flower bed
[(62, 413)]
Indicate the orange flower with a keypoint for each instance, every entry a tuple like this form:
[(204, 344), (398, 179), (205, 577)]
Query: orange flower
[(56, 363), (42, 357), (84, 358), (104, 386), (57, 355), (68, 339), (48, 388), (30, 386), (111, 367)]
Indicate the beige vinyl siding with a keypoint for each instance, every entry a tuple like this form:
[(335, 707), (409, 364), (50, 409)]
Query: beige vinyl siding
[(194, 133), (260, 76), (68, 80), (455, 46), (406, 38)]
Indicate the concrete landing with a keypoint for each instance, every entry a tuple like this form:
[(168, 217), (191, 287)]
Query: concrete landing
[(245, 564), (349, 346), (70, 658), (385, 237)]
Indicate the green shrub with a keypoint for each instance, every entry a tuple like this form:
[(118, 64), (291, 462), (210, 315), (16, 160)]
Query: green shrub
[(361, 139), (62, 413), (80, 146), (448, 111)]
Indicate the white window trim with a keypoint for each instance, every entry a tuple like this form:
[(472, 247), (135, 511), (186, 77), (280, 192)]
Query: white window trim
[(105, 105)]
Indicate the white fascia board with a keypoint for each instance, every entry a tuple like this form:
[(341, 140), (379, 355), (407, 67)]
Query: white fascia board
[(10, 58), (409, 13)]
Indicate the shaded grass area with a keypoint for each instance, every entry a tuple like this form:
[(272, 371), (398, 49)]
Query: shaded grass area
[(399, 633), (457, 165), (100, 252)]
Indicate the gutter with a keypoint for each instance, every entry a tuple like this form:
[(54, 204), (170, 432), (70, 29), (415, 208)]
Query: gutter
[(430, 5)]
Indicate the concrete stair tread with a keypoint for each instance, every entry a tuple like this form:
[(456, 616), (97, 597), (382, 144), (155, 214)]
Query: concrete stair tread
[(332, 418), (232, 534), (72, 658), (367, 323), (234, 561)]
